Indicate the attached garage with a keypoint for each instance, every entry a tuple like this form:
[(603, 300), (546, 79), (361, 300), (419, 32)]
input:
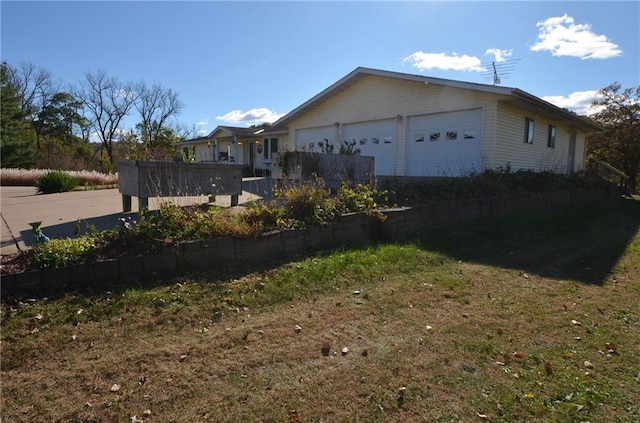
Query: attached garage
[(376, 139), (444, 144), (308, 138), (415, 125)]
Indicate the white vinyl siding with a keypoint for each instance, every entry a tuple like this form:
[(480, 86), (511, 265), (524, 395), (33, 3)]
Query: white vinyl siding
[(512, 151)]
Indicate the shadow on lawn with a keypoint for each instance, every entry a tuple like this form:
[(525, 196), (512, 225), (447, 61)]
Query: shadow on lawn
[(577, 244)]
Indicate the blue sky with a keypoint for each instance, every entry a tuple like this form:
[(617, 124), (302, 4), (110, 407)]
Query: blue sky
[(237, 63)]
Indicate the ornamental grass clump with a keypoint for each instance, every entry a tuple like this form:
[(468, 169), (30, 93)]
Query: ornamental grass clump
[(56, 181)]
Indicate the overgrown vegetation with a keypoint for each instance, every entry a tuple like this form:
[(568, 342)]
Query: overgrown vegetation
[(458, 326), (56, 181), (487, 184), (296, 206)]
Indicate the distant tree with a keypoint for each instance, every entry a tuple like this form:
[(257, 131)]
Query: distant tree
[(60, 127), (17, 137), (619, 143), (156, 106), (36, 89), (106, 102)]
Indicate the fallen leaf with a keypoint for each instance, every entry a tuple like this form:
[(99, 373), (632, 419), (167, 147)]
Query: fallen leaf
[(183, 357), (548, 368), (293, 416), (518, 355), (611, 347)]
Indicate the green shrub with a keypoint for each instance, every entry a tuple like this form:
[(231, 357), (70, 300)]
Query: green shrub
[(56, 181), (359, 198), (308, 202), (64, 252)]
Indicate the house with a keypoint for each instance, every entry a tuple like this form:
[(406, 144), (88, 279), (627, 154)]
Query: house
[(416, 125), (252, 147)]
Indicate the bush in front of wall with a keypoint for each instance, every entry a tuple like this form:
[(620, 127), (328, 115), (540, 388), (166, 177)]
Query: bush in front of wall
[(56, 181)]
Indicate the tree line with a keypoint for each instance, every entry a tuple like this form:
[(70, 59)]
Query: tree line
[(45, 124)]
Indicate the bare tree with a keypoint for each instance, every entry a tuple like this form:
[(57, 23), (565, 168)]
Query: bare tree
[(106, 102), (156, 106), (36, 90)]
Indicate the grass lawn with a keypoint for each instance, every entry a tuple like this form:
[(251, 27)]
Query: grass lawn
[(532, 318)]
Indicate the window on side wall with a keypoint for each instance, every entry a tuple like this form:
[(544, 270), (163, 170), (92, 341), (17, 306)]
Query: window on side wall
[(528, 131), (551, 139), (270, 147)]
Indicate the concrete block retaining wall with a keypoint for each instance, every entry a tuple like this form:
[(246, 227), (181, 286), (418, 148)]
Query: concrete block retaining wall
[(350, 230)]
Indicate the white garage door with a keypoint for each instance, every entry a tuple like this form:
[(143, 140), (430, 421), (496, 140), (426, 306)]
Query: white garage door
[(308, 139), (445, 144), (376, 139)]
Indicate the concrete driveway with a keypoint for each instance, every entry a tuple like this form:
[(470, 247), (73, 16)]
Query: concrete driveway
[(59, 213)]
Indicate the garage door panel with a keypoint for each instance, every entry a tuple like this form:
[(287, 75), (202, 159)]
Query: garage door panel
[(445, 144), (309, 138), (376, 139)]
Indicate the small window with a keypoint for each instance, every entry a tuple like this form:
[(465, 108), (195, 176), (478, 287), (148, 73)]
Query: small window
[(388, 140), (270, 147), (452, 135), (419, 137), (469, 135), (528, 131), (551, 140), (434, 136)]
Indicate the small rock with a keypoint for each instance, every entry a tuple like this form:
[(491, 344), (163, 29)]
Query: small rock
[(115, 387), (356, 292), (297, 328), (429, 327), (146, 413), (345, 351), (326, 349), (135, 419), (576, 323), (588, 364)]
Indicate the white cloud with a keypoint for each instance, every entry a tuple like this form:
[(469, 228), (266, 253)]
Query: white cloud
[(499, 55), (203, 122), (253, 116), (578, 102), (202, 132), (425, 61), (562, 37)]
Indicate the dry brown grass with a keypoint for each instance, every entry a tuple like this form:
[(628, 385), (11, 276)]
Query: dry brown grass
[(430, 338)]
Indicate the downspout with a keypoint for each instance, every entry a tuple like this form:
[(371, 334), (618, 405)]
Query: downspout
[(495, 137)]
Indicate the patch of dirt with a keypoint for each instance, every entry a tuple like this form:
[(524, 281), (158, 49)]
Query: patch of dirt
[(16, 263)]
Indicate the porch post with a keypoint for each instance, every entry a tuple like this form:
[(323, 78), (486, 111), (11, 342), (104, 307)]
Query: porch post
[(235, 149)]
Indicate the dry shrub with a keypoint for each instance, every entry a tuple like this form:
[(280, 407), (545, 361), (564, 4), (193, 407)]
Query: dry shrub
[(28, 177)]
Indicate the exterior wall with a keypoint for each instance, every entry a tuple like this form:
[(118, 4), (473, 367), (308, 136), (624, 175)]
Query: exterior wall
[(511, 150), (375, 98)]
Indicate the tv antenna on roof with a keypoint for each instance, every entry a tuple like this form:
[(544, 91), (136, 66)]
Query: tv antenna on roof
[(499, 70)]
